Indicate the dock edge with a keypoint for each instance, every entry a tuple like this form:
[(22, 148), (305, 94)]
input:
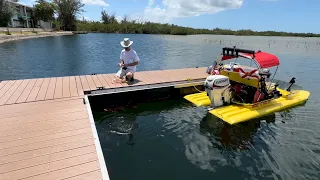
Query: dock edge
[(103, 166)]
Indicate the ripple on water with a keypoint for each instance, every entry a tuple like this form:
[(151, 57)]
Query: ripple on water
[(181, 120), (120, 124), (200, 151)]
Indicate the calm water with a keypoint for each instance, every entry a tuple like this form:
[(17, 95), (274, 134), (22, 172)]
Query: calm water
[(174, 139)]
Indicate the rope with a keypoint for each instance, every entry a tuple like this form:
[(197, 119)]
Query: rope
[(189, 79)]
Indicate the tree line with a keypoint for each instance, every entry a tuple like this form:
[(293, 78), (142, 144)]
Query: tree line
[(158, 28), (64, 15), (109, 24)]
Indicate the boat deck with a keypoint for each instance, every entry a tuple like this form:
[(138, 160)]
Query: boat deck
[(47, 130)]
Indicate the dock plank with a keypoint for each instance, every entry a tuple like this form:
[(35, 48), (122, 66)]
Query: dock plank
[(35, 90), (39, 142), (43, 107), (83, 141), (66, 87), (41, 125), (6, 87), (104, 83), (43, 89), (59, 89), (45, 118), (51, 88), (91, 83), (6, 96), (3, 83), (25, 94), (72, 171), (47, 130), (172, 76), (84, 83), (164, 78), (18, 92), (32, 171), (151, 77), (79, 86), (109, 81), (110, 78), (157, 75), (141, 79), (96, 81), (92, 175), (73, 87), (38, 160)]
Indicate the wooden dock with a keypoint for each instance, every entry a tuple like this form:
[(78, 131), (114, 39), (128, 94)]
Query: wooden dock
[(47, 130)]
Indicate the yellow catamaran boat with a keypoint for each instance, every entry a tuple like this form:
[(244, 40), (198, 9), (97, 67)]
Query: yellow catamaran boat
[(238, 93)]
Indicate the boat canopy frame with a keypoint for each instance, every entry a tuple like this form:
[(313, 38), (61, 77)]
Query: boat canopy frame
[(261, 59)]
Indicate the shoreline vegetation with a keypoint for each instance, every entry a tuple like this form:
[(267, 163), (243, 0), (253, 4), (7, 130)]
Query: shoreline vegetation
[(109, 24), (167, 29)]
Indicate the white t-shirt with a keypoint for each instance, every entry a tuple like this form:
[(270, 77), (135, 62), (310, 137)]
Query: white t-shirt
[(129, 57)]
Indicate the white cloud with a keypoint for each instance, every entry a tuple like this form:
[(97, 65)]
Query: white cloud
[(95, 2), (151, 2), (181, 8), (86, 18), (118, 18)]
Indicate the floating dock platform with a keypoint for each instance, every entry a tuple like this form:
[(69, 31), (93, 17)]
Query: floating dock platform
[(47, 128)]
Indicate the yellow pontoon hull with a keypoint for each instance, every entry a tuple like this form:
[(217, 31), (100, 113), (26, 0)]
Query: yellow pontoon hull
[(237, 113)]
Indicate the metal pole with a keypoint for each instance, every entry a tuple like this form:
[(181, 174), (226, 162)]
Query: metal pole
[(272, 78)]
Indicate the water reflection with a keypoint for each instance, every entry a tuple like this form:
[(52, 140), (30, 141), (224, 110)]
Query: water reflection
[(232, 136), (219, 144)]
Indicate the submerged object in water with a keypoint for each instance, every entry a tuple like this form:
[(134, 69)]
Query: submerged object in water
[(122, 125)]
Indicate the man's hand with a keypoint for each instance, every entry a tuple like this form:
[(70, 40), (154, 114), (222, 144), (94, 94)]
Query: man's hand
[(121, 64), (131, 64)]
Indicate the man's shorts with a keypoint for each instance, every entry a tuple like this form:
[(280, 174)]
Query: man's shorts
[(121, 73)]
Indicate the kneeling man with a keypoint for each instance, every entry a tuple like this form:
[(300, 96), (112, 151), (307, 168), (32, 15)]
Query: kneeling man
[(128, 61)]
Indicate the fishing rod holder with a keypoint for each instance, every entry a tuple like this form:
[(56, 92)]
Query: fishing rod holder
[(292, 81)]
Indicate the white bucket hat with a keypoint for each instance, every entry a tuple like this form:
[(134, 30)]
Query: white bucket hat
[(126, 42)]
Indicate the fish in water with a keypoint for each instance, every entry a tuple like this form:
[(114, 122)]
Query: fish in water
[(122, 124)]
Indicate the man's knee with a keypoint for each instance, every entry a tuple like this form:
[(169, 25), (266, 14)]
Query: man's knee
[(129, 74)]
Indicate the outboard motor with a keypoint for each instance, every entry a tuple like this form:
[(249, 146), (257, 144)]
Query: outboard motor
[(217, 88)]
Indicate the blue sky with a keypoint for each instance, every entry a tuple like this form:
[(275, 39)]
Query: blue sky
[(261, 15)]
